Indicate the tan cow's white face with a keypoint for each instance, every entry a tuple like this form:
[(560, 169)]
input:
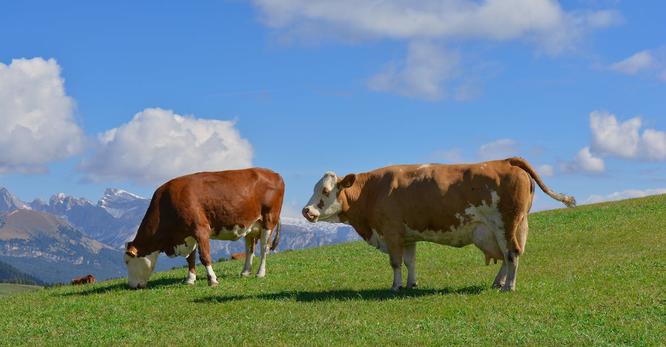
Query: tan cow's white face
[(139, 269), (324, 204)]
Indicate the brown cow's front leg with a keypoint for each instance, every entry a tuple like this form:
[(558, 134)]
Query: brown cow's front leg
[(204, 256), (191, 267)]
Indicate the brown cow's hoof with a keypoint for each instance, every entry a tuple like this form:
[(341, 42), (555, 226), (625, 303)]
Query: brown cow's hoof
[(396, 289), (507, 289), (498, 285), (213, 283)]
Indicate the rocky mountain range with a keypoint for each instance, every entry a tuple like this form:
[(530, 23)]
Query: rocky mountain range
[(68, 237)]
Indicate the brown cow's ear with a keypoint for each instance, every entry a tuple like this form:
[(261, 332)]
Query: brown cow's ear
[(131, 251), (347, 181)]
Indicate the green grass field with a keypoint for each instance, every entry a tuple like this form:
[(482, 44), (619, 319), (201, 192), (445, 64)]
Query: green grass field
[(11, 288), (594, 275)]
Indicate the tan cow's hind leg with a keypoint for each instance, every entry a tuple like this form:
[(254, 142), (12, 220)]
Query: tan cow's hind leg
[(500, 279), (265, 233), (409, 255), (512, 257), (249, 254), (191, 268)]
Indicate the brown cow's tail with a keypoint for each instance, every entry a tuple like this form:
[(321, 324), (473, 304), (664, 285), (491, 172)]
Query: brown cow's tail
[(276, 238), (568, 200)]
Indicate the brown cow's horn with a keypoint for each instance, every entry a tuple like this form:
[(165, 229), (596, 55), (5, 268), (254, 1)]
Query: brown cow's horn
[(132, 252)]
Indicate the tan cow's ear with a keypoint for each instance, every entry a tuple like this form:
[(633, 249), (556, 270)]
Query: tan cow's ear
[(347, 181), (131, 251)]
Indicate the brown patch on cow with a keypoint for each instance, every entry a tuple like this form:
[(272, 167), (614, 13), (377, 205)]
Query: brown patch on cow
[(88, 279), (201, 204)]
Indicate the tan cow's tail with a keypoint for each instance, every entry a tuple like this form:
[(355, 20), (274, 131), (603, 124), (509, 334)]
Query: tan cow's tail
[(276, 238), (568, 200)]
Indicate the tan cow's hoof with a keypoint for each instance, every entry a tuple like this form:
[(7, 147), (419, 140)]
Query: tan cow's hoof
[(412, 286), (213, 283), (245, 274), (507, 289), (261, 274), (396, 289)]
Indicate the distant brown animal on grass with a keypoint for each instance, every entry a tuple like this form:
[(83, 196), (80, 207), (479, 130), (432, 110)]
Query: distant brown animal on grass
[(88, 279), (238, 256)]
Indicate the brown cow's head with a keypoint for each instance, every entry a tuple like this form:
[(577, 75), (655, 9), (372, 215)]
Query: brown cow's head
[(325, 205), (139, 269)]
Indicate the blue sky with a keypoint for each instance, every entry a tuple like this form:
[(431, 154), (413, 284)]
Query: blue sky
[(576, 87)]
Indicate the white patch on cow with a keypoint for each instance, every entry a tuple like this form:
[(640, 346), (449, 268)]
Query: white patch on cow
[(424, 166), (237, 231), (139, 269), (191, 278), (185, 249), (330, 206), (376, 240), (478, 223)]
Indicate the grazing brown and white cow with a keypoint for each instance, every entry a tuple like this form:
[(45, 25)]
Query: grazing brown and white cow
[(394, 207), (188, 211)]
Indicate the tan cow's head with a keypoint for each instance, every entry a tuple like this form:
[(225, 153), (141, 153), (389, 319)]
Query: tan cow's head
[(325, 205), (139, 269)]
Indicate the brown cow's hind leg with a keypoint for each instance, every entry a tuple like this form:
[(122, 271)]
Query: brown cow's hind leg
[(265, 234), (250, 241), (191, 267)]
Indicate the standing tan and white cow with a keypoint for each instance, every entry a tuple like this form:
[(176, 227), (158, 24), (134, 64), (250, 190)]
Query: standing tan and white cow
[(394, 207), (188, 211)]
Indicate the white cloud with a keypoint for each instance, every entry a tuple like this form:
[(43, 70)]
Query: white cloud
[(542, 22), (37, 116), (637, 62), (626, 194), (649, 62), (546, 170), (436, 19), (158, 144), (625, 139), (421, 75), (584, 162), (499, 149)]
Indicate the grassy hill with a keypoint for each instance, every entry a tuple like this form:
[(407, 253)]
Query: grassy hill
[(14, 288), (594, 275)]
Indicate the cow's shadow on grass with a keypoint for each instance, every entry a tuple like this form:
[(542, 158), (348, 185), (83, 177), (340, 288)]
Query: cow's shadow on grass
[(346, 294), (98, 289)]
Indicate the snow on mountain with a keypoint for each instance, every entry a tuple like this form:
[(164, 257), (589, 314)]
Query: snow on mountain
[(118, 202), (9, 202)]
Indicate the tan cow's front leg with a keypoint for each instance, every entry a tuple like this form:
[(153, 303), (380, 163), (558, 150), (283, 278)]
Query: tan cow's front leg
[(265, 233), (395, 246), (409, 256), (191, 268)]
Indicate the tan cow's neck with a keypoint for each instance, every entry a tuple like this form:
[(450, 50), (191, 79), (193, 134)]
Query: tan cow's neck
[(353, 202)]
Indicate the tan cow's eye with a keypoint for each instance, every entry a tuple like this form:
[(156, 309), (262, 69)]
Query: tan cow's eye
[(326, 191)]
